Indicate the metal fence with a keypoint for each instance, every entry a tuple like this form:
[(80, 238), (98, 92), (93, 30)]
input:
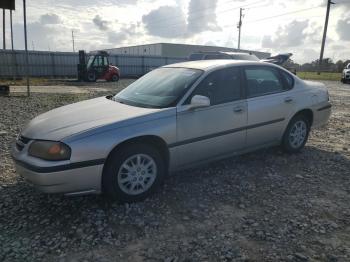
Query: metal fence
[(64, 64)]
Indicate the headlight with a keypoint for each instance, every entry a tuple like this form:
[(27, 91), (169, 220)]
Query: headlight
[(50, 150)]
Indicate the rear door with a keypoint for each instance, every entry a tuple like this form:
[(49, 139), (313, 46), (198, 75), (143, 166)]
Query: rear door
[(270, 102), (213, 131)]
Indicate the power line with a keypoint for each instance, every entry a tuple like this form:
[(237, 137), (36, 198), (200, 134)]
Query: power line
[(283, 14)]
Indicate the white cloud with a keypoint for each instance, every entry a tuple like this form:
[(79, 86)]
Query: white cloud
[(111, 23), (50, 19), (343, 29), (288, 36), (157, 21), (100, 23)]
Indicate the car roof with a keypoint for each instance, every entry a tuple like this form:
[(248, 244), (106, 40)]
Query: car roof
[(210, 64)]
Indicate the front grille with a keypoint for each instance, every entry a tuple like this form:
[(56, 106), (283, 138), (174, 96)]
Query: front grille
[(21, 142)]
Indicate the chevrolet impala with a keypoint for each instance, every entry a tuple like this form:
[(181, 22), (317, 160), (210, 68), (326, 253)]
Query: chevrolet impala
[(174, 117)]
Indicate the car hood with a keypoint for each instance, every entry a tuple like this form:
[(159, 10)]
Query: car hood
[(82, 116), (345, 71)]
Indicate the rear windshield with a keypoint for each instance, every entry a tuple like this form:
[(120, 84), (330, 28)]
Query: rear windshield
[(196, 57), (245, 57)]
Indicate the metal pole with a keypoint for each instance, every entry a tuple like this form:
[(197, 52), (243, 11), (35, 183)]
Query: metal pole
[(26, 45), (239, 28), (73, 41), (11, 30), (324, 36), (12, 48), (3, 30)]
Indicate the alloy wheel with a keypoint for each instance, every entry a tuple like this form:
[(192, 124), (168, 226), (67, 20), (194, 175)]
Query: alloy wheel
[(137, 174), (298, 134)]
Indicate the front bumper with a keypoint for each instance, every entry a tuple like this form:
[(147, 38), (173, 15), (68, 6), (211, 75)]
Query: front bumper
[(67, 178), (74, 181), (346, 77)]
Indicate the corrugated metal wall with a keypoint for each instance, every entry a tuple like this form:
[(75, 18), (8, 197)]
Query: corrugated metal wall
[(59, 64)]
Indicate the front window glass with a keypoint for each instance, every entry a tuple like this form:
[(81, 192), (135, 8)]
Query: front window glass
[(160, 88), (220, 87)]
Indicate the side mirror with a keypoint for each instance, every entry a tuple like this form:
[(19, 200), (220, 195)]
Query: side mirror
[(198, 101)]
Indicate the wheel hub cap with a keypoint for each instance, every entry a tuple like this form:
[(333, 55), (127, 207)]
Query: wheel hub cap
[(297, 134), (137, 174)]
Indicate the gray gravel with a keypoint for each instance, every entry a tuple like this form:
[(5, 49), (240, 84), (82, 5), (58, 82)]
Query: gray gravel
[(262, 206)]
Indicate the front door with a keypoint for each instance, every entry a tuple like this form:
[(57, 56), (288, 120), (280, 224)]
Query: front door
[(216, 130)]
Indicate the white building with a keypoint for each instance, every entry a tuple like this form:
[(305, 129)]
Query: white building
[(175, 50)]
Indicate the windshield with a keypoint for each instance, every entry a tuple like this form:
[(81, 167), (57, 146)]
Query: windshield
[(91, 59), (160, 88)]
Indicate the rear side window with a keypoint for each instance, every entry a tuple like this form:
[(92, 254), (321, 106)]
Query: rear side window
[(221, 86), (262, 81)]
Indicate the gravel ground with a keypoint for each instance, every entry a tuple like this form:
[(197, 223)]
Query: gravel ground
[(262, 206)]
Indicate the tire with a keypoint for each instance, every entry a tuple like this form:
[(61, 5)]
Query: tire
[(299, 125), (124, 185), (91, 77), (115, 78)]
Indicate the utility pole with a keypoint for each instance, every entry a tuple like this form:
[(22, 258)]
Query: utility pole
[(3, 30), (26, 44), (73, 41), (329, 3), (11, 29), (239, 28)]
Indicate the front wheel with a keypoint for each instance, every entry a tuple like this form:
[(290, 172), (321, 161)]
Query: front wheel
[(133, 173), (296, 134), (91, 77)]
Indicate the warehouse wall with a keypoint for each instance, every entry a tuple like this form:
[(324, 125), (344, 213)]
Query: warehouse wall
[(59, 64), (179, 50), (143, 50), (176, 50)]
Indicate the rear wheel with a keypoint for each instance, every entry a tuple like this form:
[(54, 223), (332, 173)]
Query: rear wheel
[(296, 134), (133, 173), (115, 78)]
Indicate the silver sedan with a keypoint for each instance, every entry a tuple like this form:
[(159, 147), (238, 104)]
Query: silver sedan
[(175, 117)]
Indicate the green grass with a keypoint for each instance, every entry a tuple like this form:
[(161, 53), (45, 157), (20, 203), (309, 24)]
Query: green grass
[(322, 76)]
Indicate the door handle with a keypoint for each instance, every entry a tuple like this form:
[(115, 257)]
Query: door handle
[(288, 99), (238, 109)]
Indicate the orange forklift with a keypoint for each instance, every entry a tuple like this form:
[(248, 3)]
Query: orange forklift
[(97, 67)]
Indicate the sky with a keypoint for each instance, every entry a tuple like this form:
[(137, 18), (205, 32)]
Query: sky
[(275, 26)]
